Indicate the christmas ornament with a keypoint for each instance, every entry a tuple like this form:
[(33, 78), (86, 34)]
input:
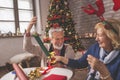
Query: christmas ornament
[(55, 25), (66, 29), (65, 3), (69, 32)]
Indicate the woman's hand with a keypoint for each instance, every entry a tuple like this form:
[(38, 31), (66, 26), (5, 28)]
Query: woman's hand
[(32, 22), (96, 64)]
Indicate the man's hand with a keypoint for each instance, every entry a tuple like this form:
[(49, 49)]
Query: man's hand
[(61, 59), (32, 22)]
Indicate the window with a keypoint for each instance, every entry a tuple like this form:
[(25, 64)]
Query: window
[(15, 15)]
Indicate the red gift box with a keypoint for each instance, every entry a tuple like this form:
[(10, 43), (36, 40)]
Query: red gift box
[(55, 77)]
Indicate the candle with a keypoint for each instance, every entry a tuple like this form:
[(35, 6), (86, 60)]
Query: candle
[(36, 36)]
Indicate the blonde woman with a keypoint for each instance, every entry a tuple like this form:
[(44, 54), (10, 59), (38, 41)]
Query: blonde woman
[(102, 58)]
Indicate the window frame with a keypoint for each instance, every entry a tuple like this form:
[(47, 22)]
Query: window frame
[(16, 18)]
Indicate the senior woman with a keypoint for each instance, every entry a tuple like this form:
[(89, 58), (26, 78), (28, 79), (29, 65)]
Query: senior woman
[(102, 58)]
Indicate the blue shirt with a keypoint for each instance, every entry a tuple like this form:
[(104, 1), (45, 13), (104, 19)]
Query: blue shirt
[(113, 66)]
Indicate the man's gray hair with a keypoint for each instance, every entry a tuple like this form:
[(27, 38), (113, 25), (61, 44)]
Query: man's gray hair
[(58, 29)]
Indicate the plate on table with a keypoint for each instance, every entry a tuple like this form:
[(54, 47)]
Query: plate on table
[(12, 75), (58, 71)]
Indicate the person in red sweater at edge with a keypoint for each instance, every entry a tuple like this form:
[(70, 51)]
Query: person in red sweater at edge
[(56, 45)]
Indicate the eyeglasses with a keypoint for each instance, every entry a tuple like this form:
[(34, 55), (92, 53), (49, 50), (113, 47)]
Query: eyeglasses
[(108, 26)]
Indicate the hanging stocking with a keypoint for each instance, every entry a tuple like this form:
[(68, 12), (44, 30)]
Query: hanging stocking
[(116, 5), (101, 8)]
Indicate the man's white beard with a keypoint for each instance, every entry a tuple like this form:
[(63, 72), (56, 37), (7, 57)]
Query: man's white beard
[(59, 47)]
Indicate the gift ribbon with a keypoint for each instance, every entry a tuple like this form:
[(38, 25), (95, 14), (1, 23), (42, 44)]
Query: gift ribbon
[(46, 70), (36, 36)]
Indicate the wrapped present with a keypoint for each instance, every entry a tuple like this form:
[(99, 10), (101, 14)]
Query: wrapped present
[(55, 77)]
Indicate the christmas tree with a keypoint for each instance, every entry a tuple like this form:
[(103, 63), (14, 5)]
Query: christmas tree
[(60, 15)]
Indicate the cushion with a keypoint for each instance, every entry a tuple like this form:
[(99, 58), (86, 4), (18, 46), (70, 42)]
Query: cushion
[(55, 77), (20, 57)]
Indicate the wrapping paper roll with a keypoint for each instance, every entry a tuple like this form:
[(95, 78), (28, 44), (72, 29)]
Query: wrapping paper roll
[(19, 72), (36, 36)]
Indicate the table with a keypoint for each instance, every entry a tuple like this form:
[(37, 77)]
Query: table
[(59, 71)]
